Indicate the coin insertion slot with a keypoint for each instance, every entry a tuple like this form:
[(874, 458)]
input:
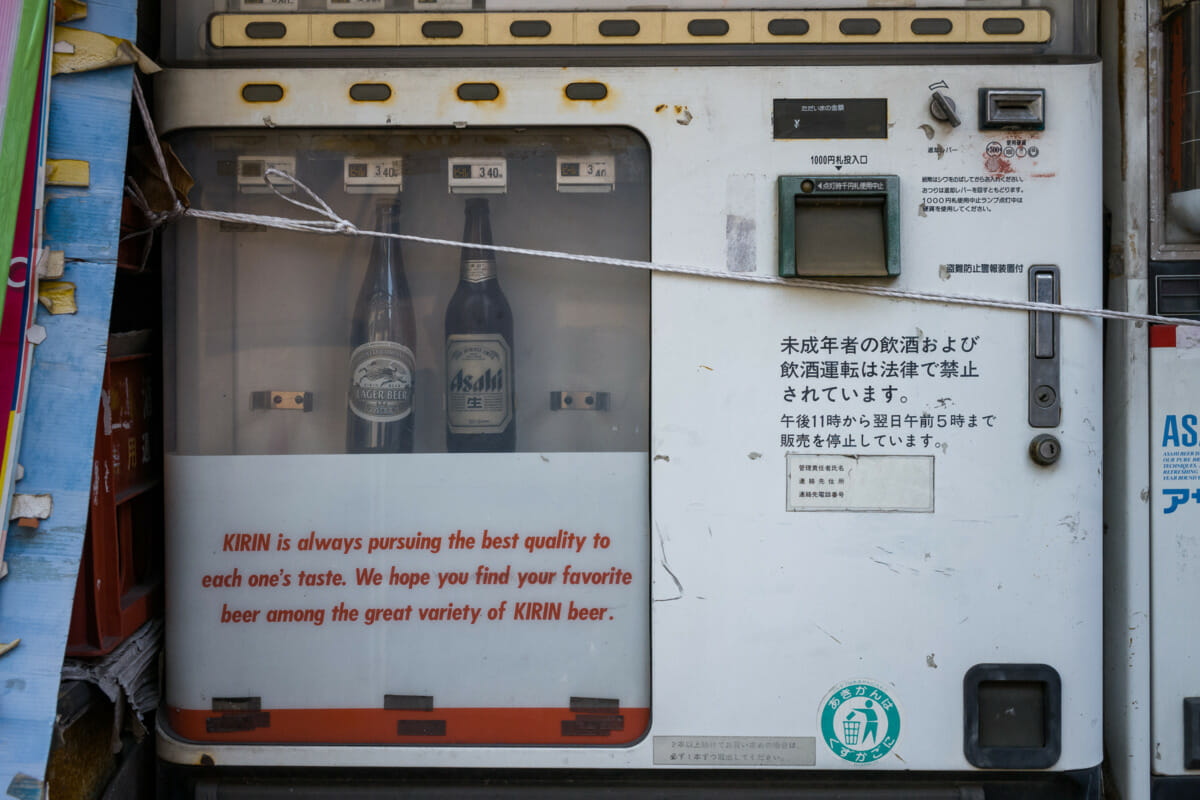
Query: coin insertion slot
[(265, 30), (1012, 109), (860, 26), (370, 92), (1003, 26), (788, 27), (589, 90), (478, 92), (442, 29), (707, 27), (529, 28), (620, 27), (262, 92), (931, 26), (354, 29), (839, 227)]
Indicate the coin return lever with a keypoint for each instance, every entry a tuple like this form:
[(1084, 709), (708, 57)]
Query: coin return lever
[(839, 226)]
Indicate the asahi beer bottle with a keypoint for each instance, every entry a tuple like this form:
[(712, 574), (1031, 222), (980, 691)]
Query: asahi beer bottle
[(379, 418), (479, 349)]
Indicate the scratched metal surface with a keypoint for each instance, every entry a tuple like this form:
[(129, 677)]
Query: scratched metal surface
[(89, 117)]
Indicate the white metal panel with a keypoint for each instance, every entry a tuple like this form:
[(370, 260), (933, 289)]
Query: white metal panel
[(759, 612)]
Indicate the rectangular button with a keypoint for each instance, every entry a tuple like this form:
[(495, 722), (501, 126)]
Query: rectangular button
[(1043, 335)]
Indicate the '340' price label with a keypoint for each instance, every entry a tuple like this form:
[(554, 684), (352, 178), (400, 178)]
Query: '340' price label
[(375, 175), (474, 175)]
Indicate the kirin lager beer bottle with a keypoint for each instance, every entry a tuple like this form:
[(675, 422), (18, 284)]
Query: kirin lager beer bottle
[(479, 349), (379, 418)]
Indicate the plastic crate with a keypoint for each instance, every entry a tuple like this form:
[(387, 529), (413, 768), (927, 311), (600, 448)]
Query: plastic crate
[(120, 575)]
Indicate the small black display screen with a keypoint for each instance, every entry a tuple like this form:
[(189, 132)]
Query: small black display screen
[(830, 118)]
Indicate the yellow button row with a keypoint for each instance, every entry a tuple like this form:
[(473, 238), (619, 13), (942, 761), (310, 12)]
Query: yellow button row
[(632, 28)]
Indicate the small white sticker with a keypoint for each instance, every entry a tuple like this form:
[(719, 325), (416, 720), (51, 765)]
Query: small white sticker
[(478, 175), (269, 6), (375, 175), (859, 483), (252, 170), (586, 173), (354, 5)]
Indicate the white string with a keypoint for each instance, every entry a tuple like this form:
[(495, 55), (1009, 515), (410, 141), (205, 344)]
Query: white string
[(331, 222)]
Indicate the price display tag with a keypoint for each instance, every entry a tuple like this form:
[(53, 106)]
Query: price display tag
[(252, 170), (267, 6), (375, 175), (586, 173), (354, 5), (478, 175)]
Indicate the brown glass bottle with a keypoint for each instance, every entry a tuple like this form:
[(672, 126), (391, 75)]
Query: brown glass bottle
[(480, 412), (379, 414)]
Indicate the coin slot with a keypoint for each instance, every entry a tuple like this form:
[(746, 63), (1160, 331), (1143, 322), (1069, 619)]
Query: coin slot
[(353, 29), (265, 30), (787, 27), (586, 91), (262, 93), (529, 28), (476, 92), (620, 27), (931, 26), (442, 29), (707, 27), (860, 26), (1003, 26), (1012, 109), (370, 92)]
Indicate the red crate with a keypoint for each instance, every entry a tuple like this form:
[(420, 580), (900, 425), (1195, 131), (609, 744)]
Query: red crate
[(120, 575)]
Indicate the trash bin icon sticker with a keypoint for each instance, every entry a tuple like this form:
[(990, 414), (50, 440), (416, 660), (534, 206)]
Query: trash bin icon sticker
[(860, 721)]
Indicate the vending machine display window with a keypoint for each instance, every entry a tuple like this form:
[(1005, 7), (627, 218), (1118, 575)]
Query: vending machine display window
[(376, 415)]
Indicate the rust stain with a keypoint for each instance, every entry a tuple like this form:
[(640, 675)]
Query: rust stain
[(997, 165), (659, 107), (1042, 174)]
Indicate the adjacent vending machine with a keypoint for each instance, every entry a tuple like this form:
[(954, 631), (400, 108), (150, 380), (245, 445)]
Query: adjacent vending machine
[(628, 503), (1173, 289)]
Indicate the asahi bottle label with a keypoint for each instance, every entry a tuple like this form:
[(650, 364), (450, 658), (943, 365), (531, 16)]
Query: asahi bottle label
[(478, 383), (381, 381)]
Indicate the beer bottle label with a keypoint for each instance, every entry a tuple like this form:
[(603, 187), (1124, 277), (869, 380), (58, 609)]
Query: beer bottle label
[(381, 381), (479, 390), (477, 270)]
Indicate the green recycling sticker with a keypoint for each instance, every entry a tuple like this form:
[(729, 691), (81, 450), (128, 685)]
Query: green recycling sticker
[(860, 722)]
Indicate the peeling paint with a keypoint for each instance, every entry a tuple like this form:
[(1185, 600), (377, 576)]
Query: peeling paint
[(662, 458), (754, 456), (927, 130), (929, 662)]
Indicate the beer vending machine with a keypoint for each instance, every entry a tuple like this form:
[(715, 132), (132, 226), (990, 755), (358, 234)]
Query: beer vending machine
[(1174, 377), (630, 503)]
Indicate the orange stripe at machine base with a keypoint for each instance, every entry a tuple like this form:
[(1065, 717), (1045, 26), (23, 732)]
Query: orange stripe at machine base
[(438, 726)]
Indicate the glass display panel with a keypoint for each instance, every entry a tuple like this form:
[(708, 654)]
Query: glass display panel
[(264, 317), (416, 475)]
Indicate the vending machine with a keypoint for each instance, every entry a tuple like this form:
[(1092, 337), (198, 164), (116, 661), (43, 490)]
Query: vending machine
[(613, 441), (1165, 682)]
